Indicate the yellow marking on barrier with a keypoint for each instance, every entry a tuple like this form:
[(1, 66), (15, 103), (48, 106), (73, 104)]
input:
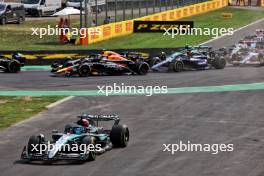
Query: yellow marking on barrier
[(122, 28), (59, 56), (47, 56)]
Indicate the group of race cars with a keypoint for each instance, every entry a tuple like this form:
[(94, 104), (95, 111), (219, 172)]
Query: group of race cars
[(112, 63), (249, 51), (87, 131)]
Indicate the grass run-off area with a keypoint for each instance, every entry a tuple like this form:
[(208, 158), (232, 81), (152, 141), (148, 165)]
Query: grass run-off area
[(15, 109), (18, 37)]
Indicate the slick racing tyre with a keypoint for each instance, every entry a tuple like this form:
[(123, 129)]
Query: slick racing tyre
[(13, 66), (219, 63), (84, 70), (119, 135), (55, 65), (261, 59), (176, 66), (154, 61), (34, 143), (142, 68), (91, 155)]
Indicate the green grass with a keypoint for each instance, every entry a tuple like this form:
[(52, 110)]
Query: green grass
[(15, 109), (18, 37)]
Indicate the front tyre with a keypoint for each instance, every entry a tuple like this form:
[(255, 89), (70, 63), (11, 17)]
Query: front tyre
[(14, 66), (154, 61), (119, 135), (176, 66), (91, 155), (34, 143)]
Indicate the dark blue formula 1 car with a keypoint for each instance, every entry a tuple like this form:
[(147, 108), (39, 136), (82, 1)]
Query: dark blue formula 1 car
[(192, 58), (81, 141), (12, 65)]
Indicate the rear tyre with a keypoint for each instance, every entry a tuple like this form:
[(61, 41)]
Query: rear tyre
[(14, 66), (119, 135), (177, 66), (91, 155), (84, 70), (142, 68)]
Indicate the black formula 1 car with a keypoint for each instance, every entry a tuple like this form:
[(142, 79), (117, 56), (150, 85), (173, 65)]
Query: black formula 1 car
[(192, 58), (12, 65), (81, 141), (98, 65)]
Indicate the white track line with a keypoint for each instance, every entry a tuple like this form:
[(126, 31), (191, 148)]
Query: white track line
[(59, 102), (238, 29)]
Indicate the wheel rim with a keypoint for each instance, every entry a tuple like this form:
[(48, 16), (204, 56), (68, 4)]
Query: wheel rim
[(85, 71), (14, 68), (144, 68)]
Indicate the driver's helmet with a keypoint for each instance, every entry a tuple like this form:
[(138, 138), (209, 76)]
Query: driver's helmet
[(85, 123), (189, 52), (17, 56), (74, 129)]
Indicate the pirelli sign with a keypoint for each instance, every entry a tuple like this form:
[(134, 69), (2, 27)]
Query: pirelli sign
[(160, 26)]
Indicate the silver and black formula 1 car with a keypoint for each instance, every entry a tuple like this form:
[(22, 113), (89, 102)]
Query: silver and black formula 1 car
[(192, 58), (12, 65), (81, 141)]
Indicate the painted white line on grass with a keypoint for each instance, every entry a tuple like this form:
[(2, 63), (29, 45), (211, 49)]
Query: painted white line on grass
[(59, 102), (238, 29)]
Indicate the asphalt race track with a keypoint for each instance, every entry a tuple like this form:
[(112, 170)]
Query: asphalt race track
[(213, 118), (235, 118), (43, 81)]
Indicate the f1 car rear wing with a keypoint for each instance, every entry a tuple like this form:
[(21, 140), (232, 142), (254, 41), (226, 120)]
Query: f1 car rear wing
[(112, 117)]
